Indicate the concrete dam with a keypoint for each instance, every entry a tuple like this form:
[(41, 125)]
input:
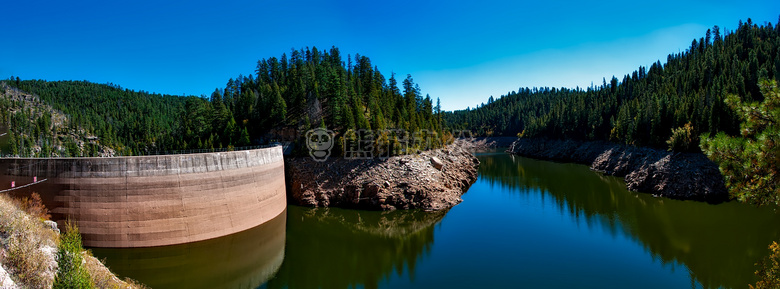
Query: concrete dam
[(143, 201)]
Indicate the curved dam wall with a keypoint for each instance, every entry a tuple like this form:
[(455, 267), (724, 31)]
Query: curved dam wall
[(156, 200)]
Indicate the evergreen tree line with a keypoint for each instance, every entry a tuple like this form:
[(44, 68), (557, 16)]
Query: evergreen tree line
[(36, 123), (284, 98), (685, 94), (287, 96), (131, 122)]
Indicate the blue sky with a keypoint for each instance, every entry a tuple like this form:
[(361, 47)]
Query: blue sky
[(461, 52)]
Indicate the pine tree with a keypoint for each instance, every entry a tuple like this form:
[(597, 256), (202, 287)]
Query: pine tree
[(750, 162), (13, 144), (244, 138), (278, 107)]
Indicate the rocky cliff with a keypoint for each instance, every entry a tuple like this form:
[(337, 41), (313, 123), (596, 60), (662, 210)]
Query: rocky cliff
[(432, 180), (689, 176)]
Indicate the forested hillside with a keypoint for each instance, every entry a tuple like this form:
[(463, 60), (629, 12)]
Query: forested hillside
[(31, 127), (313, 88), (642, 108), (122, 119), (285, 97)]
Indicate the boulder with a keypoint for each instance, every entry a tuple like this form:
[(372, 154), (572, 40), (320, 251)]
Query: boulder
[(51, 225), (5, 279), (436, 162)]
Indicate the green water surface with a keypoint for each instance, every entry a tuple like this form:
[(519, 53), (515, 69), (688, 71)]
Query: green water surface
[(523, 224)]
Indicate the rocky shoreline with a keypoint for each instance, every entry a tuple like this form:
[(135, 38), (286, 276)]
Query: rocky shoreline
[(432, 180), (482, 144), (687, 176)]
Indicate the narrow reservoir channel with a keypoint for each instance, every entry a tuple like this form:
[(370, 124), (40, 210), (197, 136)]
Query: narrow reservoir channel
[(524, 223)]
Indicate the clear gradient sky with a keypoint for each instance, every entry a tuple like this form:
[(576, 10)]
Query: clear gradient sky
[(460, 51)]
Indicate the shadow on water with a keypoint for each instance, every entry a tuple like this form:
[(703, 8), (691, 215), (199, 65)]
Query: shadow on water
[(719, 244), (242, 260), (352, 248)]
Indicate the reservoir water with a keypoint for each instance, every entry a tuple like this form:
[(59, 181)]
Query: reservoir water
[(524, 224)]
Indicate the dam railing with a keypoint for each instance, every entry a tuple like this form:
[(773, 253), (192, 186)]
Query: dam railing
[(286, 148)]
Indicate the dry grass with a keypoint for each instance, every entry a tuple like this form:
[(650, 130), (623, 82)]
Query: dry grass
[(102, 277), (25, 240)]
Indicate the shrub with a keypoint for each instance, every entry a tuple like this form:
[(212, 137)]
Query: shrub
[(33, 205), (24, 238), (28, 252), (750, 162), (72, 273), (769, 269), (683, 139)]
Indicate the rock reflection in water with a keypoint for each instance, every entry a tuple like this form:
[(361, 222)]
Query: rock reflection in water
[(717, 243), (243, 260), (352, 248)]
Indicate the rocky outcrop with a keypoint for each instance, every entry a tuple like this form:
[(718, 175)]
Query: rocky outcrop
[(432, 180), (60, 127), (689, 176), (484, 144)]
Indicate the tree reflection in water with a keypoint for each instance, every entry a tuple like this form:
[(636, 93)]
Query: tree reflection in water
[(337, 248), (717, 243)]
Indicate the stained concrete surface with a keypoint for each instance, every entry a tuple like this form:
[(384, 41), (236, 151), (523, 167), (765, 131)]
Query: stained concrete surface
[(156, 200)]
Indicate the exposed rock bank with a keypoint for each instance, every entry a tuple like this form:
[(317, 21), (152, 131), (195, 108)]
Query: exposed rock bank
[(432, 180), (482, 144), (689, 176)]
